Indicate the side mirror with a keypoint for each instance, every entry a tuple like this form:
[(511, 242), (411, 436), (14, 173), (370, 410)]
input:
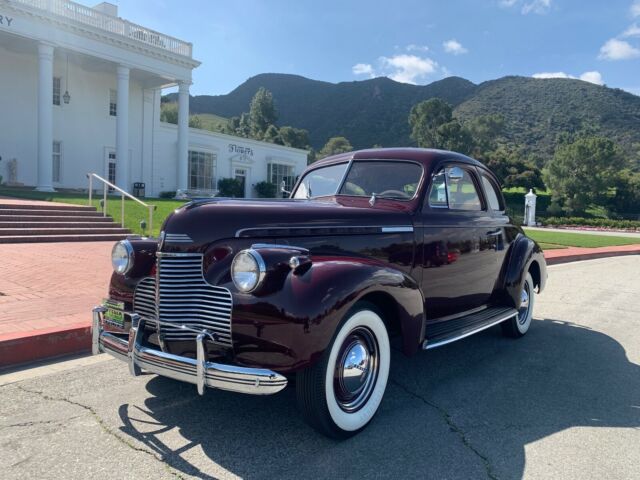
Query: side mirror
[(455, 173)]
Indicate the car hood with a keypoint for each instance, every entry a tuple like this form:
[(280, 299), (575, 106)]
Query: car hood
[(201, 223)]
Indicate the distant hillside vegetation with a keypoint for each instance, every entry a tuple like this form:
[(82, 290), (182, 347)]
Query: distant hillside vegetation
[(537, 110), (374, 112)]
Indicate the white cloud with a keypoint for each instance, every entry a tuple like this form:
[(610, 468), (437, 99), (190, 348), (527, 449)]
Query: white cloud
[(536, 6), (363, 69), (591, 77), (635, 9), (615, 49), (454, 47), (417, 48), (408, 68), (632, 31), (531, 6)]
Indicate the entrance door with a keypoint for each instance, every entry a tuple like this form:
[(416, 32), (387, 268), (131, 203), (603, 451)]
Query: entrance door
[(241, 176)]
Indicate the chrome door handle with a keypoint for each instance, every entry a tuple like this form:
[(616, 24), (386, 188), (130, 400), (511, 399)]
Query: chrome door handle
[(495, 233)]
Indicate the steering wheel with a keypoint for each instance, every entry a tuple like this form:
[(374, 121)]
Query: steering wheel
[(395, 193)]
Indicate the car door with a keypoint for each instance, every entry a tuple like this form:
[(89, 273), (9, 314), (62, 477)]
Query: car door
[(460, 243)]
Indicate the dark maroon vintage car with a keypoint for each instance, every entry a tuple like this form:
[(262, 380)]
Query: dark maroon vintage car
[(405, 245)]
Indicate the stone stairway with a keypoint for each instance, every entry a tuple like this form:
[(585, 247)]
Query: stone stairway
[(32, 221)]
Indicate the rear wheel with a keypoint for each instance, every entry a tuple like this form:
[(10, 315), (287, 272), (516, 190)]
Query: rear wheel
[(519, 325), (341, 393)]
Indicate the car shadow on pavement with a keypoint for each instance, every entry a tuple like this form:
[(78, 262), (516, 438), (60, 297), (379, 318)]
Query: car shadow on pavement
[(466, 410)]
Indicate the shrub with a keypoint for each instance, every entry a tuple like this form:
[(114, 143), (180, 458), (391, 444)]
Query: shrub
[(266, 190), (168, 194), (592, 222), (230, 187)]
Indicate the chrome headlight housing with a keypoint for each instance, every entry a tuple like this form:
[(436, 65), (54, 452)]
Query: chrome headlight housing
[(248, 270), (122, 257)]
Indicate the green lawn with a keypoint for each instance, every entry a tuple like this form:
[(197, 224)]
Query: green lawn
[(568, 239), (133, 212)]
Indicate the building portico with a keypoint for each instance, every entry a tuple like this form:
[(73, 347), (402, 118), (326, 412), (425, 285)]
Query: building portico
[(82, 93)]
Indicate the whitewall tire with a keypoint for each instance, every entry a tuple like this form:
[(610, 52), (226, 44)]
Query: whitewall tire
[(341, 393), (519, 325)]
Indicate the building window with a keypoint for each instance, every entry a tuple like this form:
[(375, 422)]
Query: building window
[(202, 170), (113, 103), (111, 169), (57, 161), (277, 173), (56, 90)]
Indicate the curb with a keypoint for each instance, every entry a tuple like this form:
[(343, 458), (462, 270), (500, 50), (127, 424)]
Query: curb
[(556, 257), (16, 349)]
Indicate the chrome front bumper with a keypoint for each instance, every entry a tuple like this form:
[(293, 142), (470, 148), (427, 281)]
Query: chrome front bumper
[(199, 371)]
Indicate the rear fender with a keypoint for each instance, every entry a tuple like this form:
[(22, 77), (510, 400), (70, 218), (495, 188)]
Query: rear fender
[(524, 253)]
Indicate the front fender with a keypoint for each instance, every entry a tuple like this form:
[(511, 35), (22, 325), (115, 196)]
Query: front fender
[(524, 253), (290, 329)]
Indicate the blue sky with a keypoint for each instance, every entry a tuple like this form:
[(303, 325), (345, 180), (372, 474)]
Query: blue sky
[(407, 40)]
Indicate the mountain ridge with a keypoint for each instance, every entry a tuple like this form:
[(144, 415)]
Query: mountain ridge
[(374, 111)]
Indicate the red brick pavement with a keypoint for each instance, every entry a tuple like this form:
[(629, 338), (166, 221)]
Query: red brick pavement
[(51, 285)]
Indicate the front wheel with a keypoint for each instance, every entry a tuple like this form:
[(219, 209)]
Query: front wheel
[(519, 325), (341, 393)]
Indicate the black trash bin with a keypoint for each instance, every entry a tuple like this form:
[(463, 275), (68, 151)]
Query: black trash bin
[(138, 189)]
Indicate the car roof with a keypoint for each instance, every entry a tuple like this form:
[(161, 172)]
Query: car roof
[(426, 156)]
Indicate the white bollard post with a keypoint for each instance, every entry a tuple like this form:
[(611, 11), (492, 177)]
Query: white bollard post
[(530, 209)]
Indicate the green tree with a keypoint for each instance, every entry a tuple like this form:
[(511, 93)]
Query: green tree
[(335, 145), (195, 122), (262, 113), (510, 167), (169, 112), (294, 137), (425, 118), (272, 135), (485, 130), (455, 137), (582, 171)]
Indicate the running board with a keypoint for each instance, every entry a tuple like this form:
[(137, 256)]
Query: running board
[(442, 333)]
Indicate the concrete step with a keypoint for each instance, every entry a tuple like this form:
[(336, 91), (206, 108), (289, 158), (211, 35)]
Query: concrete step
[(54, 218), (62, 223), (49, 212), (61, 238), (70, 207), (10, 232)]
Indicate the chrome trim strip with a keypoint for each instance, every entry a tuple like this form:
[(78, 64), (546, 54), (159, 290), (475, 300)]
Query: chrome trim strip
[(177, 238), (428, 346), (280, 247), (255, 381), (324, 227), (407, 228)]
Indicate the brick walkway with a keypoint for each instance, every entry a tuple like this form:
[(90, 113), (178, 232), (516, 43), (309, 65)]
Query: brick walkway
[(51, 286)]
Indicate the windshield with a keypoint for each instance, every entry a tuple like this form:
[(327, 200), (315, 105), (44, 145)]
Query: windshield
[(321, 182), (387, 179)]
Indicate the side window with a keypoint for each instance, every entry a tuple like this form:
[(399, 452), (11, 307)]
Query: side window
[(493, 194), (454, 188)]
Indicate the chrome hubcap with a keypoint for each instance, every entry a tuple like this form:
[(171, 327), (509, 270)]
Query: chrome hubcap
[(523, 311), (356, 370)]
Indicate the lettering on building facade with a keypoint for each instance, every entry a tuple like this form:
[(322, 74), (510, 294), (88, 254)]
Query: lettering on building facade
[(4, 20)]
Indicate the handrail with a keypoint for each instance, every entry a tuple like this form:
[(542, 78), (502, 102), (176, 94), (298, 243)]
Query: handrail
[(123, 193)]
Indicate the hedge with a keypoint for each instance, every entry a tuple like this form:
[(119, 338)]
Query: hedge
[(591, 222)]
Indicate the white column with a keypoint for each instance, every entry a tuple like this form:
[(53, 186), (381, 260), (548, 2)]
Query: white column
[(183, 136), (122, 129), (45, 118)]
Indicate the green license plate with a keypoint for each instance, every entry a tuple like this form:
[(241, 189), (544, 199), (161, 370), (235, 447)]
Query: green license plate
[(115, 312)]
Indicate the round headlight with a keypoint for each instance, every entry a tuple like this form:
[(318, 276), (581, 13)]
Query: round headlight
[(247, 270), (122, 257)]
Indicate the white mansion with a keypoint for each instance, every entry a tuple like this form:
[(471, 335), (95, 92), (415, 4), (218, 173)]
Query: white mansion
[(80, 92)]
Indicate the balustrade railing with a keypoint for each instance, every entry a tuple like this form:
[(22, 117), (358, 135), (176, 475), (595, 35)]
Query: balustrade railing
[(97, 19)]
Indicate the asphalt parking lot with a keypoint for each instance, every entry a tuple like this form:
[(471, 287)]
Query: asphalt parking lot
[(563, 402)]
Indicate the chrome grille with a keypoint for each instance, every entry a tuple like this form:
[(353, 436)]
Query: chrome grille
[(185, 299)]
